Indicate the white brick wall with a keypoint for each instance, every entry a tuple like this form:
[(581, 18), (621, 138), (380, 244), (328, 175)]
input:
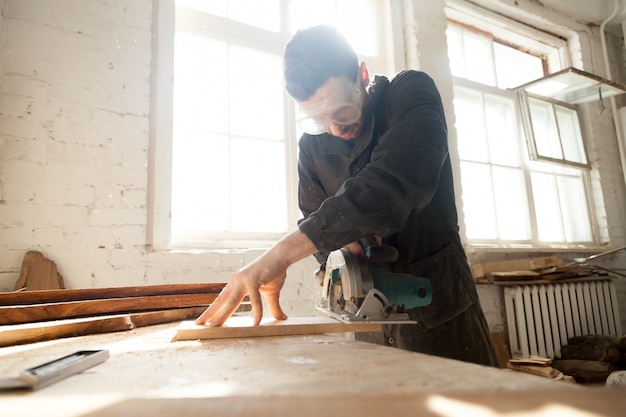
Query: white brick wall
[(74, 125)]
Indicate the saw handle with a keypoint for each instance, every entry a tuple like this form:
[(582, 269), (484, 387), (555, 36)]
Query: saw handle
[(378, 253)]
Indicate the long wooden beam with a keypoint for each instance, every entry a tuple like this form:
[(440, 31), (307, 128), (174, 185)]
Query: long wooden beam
[(52, 311), (50, 330), (64, 295)]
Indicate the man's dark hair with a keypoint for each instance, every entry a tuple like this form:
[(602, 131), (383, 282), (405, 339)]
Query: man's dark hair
[(314, 55)]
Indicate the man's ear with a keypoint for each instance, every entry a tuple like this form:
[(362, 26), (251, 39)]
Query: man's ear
[(365, 74)]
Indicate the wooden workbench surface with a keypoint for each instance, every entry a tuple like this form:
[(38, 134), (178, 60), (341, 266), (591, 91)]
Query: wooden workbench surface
[(149, 374)]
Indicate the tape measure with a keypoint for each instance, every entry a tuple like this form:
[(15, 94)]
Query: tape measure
[(55, 370)]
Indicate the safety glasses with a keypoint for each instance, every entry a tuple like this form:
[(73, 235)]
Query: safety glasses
[(342, 107)]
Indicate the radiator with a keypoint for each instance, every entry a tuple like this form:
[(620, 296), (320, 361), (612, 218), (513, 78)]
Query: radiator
[(542, 317)]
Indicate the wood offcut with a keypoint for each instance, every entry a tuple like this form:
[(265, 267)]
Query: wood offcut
[(38, 273), (237, 327), (550, 268)]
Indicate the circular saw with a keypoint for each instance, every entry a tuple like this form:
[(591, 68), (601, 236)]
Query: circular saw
[(364, 291)]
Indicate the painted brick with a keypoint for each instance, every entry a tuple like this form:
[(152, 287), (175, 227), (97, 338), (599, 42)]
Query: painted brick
[(17, 237), (48, 237), (8, 280)]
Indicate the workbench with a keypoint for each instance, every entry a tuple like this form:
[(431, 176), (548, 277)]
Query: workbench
[(148, 374)]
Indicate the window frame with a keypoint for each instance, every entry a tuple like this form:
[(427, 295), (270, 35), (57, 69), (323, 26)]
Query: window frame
[(484, 90), (533, 151), (165, 21), (241, 34), (508, 32)]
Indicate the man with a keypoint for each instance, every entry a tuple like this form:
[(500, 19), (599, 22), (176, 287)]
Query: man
[(373, 162)]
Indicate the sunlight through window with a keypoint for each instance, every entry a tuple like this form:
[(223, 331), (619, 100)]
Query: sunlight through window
[(233, 151)]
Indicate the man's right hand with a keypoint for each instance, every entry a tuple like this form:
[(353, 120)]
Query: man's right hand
[(264, 276)]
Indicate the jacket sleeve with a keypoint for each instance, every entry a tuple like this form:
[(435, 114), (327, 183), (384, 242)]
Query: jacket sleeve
[(402, 175), (311, 193)]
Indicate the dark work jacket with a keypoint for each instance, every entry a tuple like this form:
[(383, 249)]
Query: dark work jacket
[(394, 181)]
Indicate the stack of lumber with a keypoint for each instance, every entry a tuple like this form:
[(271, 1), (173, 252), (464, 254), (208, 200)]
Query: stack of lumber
[(592, 358), (536, 365), (549, 268), (33, 316)]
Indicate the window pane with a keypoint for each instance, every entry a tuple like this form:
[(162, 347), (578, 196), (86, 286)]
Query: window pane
[(545, 129), (200, 93), (514, 67), (305, 13), (259, 192), (355, 19), (510, 195), (574, 209), (478, 207), (547, 207), (197, 202), (256, 94), (479, 59), (472, 138), (231, 174), (569, 130), (216, 7), (502, 130), (263, 14)]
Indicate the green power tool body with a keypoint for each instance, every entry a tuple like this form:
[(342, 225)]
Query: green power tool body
[(363, 290)]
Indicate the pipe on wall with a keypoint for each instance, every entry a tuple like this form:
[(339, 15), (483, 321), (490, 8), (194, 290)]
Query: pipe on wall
[(619, 115)]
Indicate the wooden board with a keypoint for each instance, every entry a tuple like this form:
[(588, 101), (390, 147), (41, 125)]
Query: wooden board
[(239, 327), (72, 309), (481, 270), (502, 350), (544, 371), (513, 276), (58, 329), (82, 294)]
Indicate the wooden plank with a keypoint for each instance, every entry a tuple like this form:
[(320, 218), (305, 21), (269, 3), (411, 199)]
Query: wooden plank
[(53, 311), (57, 329), (64, 295), (502, 350), (533, 360), (544, 371), (513, 276), (481, 270), (238, 327), (38, 332)]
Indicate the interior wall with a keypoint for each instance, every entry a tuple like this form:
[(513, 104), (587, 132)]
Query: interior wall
[(74, 137)]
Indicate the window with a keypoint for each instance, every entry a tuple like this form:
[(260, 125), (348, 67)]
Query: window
[(233, 141), (523, 165), (554, 131)]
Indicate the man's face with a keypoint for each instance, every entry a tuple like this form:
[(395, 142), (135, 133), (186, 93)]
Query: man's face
[(336, 107)]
